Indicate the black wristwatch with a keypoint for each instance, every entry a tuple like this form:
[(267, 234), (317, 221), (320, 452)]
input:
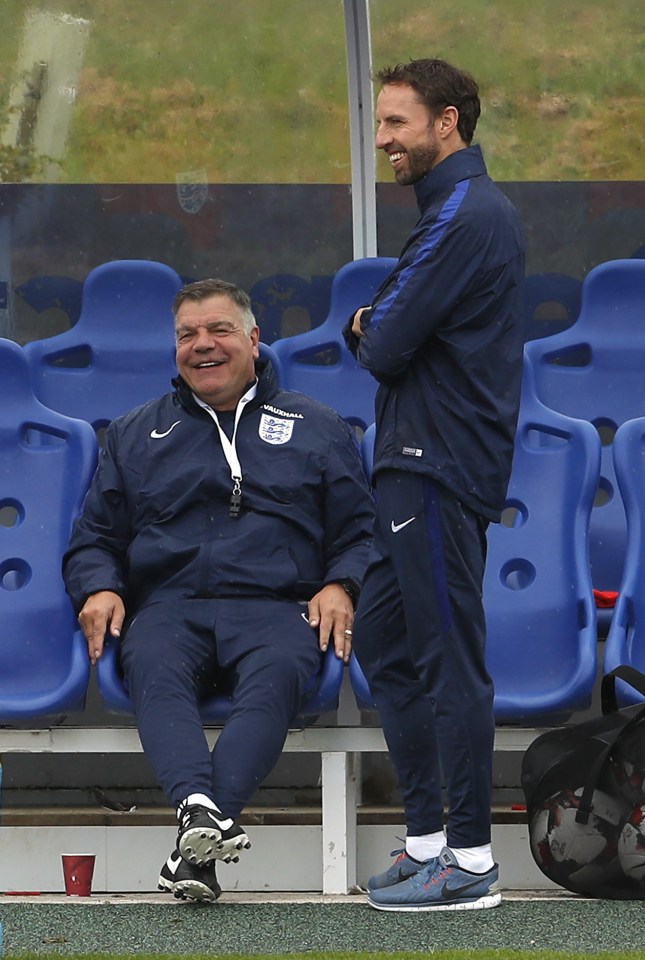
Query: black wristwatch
[(351, 588)]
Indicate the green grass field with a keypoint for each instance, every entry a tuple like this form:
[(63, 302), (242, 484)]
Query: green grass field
[(436, 955), (256, 92)]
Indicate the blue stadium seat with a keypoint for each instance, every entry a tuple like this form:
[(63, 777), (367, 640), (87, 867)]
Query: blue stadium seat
[(626, 639), (367, 449), (48, 293), (46, 464), (319, 364), (360, 686), (268, 353), (357, 678), (540, 611), (280, 299), (321, 698), (594, 371), (541, 646), (551, 304), (120, 353)]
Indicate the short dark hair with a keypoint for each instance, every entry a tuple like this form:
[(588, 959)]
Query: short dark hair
[(440, 85), (203, 289)]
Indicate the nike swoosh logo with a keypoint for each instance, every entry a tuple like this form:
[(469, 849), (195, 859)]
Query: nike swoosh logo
[(449, 893), (156, 435), (399, 526), (220, 822), (173, 865), (305, 617)]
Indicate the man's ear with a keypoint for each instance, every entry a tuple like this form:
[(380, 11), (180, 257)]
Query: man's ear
[(255, 340), (448, 121)]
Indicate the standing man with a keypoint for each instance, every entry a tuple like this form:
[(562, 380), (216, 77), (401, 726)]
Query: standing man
[(443, 336), (224, 539)]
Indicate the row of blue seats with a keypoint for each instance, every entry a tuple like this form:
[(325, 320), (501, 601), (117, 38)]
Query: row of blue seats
[(542, 621), (551, 300), (121, 353)]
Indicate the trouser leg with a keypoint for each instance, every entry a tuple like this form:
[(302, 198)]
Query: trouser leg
[(263, 652), (405, 711), (270, 654), (169, 660), (436, 564)]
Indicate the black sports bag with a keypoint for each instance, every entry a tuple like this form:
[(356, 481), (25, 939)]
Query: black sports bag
[(585, 794)]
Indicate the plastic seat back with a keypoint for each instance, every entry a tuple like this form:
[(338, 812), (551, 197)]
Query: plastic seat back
[(121, 351), (594, 371), (318, 362), (540, 614), (538, 597), (53, 293), (46, 464), (551, 304), (321, 697), (626, 638)]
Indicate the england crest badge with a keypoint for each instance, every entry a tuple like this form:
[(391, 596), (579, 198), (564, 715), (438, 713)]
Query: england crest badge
[(275, 429), (192, 190)]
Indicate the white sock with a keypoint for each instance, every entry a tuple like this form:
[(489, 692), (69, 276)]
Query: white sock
[(425, 847), (204, 801), (475, 859), (200, 798)]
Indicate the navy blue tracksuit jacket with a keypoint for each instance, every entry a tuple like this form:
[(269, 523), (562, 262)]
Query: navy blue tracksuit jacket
[(156, 525), (444, 341)]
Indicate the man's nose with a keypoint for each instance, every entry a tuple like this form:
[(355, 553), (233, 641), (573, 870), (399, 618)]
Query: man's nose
[(204, 340), (381, 138)]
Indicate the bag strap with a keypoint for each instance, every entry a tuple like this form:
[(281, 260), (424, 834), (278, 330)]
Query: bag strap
[(610, 705), (630, 675)]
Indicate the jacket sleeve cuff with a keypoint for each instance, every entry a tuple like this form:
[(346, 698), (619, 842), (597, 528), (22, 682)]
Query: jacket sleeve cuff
[(351, 588)]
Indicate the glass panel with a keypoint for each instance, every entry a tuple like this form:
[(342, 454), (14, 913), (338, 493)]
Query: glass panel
[(110, 91), (282, 243), (209, 135), (561, 81)]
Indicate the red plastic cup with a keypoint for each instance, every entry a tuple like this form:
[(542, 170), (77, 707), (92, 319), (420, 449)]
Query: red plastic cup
[(78, 870)]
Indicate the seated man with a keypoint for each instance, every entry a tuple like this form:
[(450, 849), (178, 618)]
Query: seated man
[(224, 538)]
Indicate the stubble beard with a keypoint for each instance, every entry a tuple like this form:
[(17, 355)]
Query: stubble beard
[(421, 160)]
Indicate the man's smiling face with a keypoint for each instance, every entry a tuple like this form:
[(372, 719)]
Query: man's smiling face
[(215, 354), (405, 130)]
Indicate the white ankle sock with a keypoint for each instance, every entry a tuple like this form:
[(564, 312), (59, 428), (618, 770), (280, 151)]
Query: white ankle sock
[(475, 859), (201, 799), (426, 846)]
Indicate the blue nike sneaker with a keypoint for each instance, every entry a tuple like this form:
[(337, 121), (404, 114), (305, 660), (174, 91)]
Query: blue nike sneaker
[(440, 885), (403, 867)]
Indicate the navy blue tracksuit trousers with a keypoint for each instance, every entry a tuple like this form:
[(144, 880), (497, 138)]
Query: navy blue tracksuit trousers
[(419, 636), (263, 652)]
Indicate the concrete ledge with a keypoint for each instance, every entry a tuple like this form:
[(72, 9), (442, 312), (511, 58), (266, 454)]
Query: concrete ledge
[(296, 815), (308, 740), (283, 857), (340, 750)]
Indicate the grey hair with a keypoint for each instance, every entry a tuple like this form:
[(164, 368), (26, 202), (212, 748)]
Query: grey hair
[(203, 289)]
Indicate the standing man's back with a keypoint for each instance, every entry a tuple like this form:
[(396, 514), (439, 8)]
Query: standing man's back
[(443, 337)]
